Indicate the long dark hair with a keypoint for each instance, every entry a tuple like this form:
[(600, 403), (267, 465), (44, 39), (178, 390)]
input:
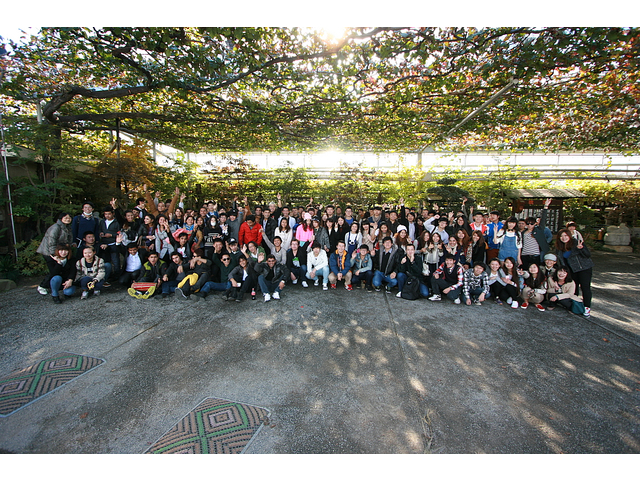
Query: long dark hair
[(287, 227), (567, 279), (421, 242), (564, 247), (514, 274), (481, 242), (535, 282)]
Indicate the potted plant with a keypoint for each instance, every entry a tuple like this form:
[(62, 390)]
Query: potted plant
[(22, 214)]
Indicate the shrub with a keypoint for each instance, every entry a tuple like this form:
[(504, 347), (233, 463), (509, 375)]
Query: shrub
[(8, 268), (30, 262)]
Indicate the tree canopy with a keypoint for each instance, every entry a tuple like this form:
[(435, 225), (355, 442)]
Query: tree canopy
[(384, 89)]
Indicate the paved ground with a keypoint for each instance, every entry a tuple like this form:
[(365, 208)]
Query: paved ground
[(341, 372)]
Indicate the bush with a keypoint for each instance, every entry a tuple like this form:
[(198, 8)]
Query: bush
[(8, 268), (30, 262)]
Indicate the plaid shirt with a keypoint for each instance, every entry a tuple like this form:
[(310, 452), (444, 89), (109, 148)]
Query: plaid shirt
[(473, 282)]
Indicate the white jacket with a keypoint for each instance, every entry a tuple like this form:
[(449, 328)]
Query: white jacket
[(318, 262)]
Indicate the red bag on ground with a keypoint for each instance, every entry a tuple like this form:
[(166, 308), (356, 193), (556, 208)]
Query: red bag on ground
[(142, 286)]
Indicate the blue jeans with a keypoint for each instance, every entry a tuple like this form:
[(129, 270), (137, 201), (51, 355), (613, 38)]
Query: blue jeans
[(424, 290), (169, 287), (299, 272), (108, 268), (267, 286), (85, 280), (366, 276), (323, 272), (474, 294), (56, 283), (115, 259), (216, 287), (379, 278)]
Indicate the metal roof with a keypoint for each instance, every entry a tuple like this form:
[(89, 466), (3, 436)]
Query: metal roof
[(546, 193)]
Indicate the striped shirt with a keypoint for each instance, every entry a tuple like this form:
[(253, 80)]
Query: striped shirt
[(529, 244)]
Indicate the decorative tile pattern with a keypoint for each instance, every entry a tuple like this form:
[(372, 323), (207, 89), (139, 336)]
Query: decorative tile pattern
[(214, 426), (29, 384)]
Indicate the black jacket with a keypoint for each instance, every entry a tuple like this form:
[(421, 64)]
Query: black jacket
[(280, 272), (393, 265), (66, 271), (151, 273), (302, 257)]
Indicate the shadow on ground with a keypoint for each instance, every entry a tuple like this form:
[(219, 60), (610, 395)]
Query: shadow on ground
[(341, 372)]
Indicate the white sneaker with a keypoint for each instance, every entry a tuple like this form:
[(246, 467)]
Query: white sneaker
[(276, 296), (42, 290), (457, 301), (267, 297), (304, 284), (84, 295), (294, 281), (435, 298), (514, 304), (587, 312), (317, 282), (325, 286), (509, 300), (399, 294)]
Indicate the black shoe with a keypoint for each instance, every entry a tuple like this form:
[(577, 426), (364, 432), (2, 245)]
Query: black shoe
[(57, 300), (180, 294), (369, 288), (226, 295), (165, 295), (239, 296)]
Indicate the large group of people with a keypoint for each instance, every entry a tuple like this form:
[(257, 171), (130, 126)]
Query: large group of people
[(160, 248)]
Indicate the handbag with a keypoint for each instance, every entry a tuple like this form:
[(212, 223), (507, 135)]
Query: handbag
[(577, 307), (425, 268)]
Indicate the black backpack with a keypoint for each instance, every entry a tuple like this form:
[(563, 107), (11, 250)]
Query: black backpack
[(411, 289)]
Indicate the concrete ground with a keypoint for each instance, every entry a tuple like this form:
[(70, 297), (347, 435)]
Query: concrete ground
[(341, 372)]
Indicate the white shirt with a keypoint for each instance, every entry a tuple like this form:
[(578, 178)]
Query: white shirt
[(134, 263)]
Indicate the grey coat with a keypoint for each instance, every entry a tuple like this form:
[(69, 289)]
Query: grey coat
[(55, 234)]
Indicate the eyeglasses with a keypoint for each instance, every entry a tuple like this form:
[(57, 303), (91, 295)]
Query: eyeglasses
[(226, 259)]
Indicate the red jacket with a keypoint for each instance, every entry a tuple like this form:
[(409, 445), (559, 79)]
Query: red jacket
[(246, 234)]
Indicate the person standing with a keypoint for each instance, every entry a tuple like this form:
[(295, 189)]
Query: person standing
[(534, 241), (493, 226), (108, 232), (83, 223), (577, 257)]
